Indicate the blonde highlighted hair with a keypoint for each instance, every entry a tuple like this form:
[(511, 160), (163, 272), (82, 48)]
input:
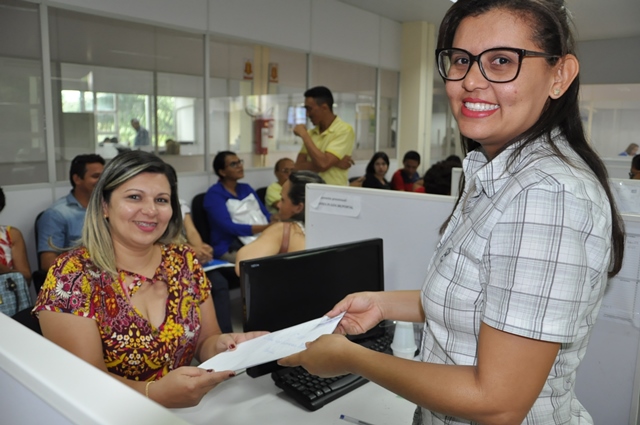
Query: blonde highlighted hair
[(96, 233)]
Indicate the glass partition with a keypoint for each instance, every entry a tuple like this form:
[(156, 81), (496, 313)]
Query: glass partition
[(106, 73), (354, 93), (22, 137)]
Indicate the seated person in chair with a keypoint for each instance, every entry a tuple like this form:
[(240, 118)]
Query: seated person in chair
[(60, 226), (13, 251), (283, 168), (287, 235), (128, 299), (225, 231)]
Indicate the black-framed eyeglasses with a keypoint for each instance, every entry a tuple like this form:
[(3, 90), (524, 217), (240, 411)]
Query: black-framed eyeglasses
[(236, 164), (497, 65)]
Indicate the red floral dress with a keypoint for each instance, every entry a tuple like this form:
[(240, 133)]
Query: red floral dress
[(5, 246), (132, 347)]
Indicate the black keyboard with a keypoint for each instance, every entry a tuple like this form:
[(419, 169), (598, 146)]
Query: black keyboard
[(313, 392)]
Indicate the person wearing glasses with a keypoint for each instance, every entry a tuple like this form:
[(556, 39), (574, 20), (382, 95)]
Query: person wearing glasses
[(513, 290), (234, 210), (60, 226), (130, 299), (282, 170)]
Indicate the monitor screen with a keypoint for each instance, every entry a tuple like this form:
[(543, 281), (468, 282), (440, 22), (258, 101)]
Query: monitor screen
[(287, 289)]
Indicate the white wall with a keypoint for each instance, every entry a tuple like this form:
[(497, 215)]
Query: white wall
[(24, 202), (325, 27)]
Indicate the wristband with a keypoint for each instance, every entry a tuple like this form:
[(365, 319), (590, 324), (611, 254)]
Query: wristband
[(146, 388)]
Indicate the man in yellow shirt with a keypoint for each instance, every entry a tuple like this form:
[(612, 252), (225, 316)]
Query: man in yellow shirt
[(328, 146)]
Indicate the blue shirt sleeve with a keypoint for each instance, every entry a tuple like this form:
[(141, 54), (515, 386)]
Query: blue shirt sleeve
[(52, 228), (219, 218)]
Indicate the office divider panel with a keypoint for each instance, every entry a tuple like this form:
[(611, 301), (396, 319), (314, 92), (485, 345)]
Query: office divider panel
[(39, 379), (608, 384), (407, 222)]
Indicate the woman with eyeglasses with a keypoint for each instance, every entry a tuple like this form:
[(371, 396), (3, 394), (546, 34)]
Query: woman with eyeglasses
[(514, 287), (131, 299), (234, 209)]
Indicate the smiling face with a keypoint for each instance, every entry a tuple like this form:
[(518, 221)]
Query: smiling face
[(86, 183), (493, 114), (139, 211)]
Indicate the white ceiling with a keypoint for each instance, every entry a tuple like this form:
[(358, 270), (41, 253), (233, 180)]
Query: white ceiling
[(594, 19)]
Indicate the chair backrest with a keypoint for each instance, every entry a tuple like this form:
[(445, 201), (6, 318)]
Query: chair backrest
[(35, 224), (37, 276), (199, 217), (262, 193)]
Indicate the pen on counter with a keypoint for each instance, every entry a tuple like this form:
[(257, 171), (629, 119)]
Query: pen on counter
[(354, 420)]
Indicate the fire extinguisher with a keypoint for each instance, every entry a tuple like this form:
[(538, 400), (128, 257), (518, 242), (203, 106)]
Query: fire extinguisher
[(262, 132)]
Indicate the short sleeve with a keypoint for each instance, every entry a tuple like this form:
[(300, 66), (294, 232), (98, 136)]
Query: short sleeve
[(51, 231), (273, 194), (542, 267), (68, 286), (201, 284), (342, 144)]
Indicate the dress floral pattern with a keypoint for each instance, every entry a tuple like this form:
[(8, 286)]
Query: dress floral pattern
[(5, 246), (132, 347)]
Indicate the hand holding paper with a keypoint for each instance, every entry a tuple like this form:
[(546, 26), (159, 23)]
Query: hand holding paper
[(272, 346)]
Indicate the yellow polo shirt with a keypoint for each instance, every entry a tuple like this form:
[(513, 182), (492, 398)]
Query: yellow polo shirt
[(338, 140)]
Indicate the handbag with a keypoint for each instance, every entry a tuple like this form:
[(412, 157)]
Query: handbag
[(14, 293), (246, 211)]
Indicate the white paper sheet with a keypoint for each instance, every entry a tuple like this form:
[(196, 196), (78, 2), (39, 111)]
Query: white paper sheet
[(273, 346)]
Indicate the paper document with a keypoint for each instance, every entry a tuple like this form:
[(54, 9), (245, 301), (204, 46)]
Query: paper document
[(216, 264), (273, 346)]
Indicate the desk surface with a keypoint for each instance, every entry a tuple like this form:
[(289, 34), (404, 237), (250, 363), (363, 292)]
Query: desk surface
[(245, 400)]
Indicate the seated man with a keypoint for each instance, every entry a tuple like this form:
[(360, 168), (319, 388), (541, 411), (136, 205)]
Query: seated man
[(407, 179), (60, 226), (283, 168)]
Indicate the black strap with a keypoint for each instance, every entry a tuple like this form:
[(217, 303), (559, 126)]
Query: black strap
[(11, 285)]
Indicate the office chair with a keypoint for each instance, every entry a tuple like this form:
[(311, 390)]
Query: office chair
[(262, 194), (201, 222), (38, 276)]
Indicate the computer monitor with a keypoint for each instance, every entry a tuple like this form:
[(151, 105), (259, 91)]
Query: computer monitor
[(287, 289)]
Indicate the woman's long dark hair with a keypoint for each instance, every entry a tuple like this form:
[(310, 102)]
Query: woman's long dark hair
[(297, 192), (370, 166), (551, 28)]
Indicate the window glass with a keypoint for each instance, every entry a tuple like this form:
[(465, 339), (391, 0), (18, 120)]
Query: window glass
[(610, 116), (388, 109), (22, 138), (255, 87), (106, 72), (354, 92)]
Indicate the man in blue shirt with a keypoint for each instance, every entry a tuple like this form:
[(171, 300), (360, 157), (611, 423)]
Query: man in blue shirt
[(142, 135), (60, 225)]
